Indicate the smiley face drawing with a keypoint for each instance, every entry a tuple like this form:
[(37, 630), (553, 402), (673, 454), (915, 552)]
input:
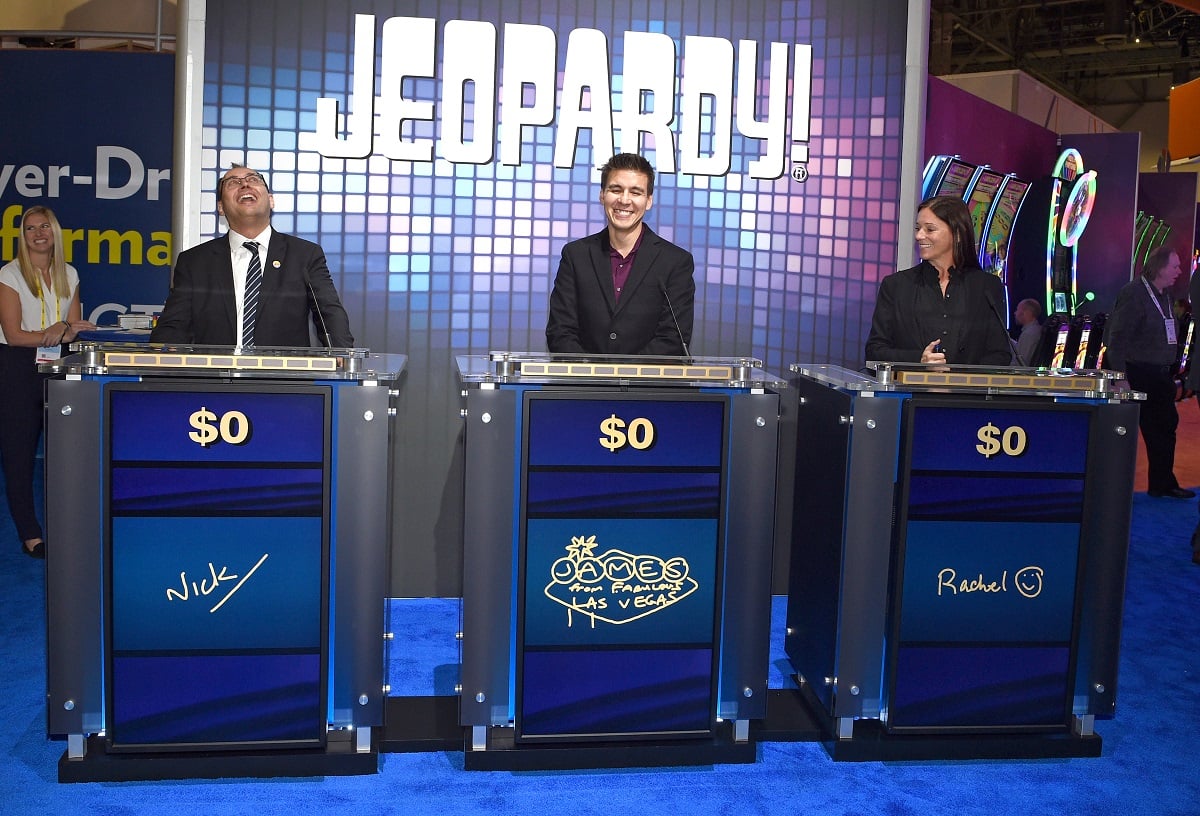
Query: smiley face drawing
[(1029, 581)]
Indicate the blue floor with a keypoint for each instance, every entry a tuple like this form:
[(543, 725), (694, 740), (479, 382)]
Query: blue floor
[(1147, 765)]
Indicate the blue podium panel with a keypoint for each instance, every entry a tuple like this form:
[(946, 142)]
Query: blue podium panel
[(218, 587), (618, 528), (958, 556), (217, 638), (621, 551), (988, 561)]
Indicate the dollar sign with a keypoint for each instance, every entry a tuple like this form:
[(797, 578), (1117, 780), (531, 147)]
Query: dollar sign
[(206, 433), (989, 437), (614, 438)]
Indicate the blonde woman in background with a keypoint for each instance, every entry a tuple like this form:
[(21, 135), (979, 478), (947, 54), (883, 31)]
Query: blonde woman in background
[(39, 311)]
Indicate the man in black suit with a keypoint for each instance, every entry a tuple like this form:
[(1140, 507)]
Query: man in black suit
[(207, 304), (623, 290)]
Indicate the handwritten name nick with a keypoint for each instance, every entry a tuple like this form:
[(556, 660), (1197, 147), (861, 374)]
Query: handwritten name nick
[(205, 587)]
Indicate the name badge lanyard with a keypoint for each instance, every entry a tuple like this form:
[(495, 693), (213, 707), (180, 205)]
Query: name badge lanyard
[(1168, 321), (46, 354)]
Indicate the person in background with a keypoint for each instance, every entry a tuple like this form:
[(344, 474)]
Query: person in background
[(623, 290), (946, 308), (207, 304), (1028, 315), (39, 311), (1192, 383), (1141, 338)]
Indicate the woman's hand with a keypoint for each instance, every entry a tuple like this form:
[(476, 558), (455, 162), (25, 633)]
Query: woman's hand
[(53, 334), (77, 326), (928, 355)]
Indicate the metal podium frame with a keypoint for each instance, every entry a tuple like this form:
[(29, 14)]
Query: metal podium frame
[(362, 392), (494, 386), (847, 469)]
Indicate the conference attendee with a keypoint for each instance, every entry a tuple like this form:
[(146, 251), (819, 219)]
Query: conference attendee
[(1192, 382), (945, 309), (39, 311), (253, 286), (1141, 336), (624, 290), (1028, 316)]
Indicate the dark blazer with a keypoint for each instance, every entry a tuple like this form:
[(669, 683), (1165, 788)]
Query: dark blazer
[(980, 338), (586, 317), (201, 309)]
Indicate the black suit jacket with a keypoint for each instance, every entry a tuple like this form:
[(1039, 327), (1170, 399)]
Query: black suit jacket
[(979, 338), (201, 309), (586, 317)]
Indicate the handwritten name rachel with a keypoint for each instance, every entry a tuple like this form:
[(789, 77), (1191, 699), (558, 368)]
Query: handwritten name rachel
[(1027, 581)]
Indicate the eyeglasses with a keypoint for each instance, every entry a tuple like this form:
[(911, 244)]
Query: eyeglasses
[(249, 180)]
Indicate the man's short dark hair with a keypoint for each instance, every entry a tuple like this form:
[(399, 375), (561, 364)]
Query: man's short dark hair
[(628, 161)]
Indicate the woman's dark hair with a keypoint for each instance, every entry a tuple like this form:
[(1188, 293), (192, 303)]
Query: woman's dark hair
[(953, 210)]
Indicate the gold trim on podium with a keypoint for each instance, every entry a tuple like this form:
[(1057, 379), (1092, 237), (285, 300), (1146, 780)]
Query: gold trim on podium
[(253, 362), (1002, 382), (633, 371)]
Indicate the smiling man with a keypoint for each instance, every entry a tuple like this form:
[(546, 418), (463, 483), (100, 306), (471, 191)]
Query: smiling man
[(624, 290), (252, 286)]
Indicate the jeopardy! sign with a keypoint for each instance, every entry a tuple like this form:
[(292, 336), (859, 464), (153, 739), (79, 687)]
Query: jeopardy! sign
[(498, 85)]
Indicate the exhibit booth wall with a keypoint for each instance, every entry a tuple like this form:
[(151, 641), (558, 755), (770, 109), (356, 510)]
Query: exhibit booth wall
[(777, 131), (443, 154)]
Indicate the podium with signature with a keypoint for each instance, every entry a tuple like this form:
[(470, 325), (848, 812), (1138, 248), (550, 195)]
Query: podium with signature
[(218, 523), (958, 557), (618, 533)]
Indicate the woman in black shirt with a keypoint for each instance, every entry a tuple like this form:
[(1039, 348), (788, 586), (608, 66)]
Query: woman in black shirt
[(946, 309)]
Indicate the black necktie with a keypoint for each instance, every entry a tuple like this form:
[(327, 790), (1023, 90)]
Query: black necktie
[(250, 301)]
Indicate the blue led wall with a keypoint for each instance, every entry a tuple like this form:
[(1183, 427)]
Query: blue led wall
[(443, 152)]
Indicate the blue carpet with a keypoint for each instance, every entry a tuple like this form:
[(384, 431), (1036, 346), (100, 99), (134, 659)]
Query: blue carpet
[(1147, 766)]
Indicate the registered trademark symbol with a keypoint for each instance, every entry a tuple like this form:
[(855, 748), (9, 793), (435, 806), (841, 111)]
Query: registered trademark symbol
[(800, 173)]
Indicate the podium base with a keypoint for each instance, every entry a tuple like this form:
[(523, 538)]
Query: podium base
[(504, 754), (792, 714), (338, 758)]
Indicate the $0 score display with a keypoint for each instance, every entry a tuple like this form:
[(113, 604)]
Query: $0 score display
[(639, 434), (232, 427), (1012, 440)]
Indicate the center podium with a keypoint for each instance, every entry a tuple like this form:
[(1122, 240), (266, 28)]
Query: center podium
[(618, 526)]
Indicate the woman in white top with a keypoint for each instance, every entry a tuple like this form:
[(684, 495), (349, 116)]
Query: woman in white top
[(39, 311)]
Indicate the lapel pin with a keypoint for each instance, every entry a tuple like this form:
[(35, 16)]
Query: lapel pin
[(275, 264)]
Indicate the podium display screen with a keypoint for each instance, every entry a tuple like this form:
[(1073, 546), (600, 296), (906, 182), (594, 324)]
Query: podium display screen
[(621, 546), (985, 601), (217, 508)]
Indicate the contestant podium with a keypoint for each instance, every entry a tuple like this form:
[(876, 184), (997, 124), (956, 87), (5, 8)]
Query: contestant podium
[(959, 546), (618, 531), (216, 576)]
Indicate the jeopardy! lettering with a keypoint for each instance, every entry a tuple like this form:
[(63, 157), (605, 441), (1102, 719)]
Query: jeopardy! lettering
[(484, 93)]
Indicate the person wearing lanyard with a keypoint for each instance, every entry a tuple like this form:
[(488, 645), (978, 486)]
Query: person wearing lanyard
[(1141, 339), (39, 311)]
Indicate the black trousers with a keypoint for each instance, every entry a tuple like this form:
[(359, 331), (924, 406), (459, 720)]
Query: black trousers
[(1157, 420), (22, 415)]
